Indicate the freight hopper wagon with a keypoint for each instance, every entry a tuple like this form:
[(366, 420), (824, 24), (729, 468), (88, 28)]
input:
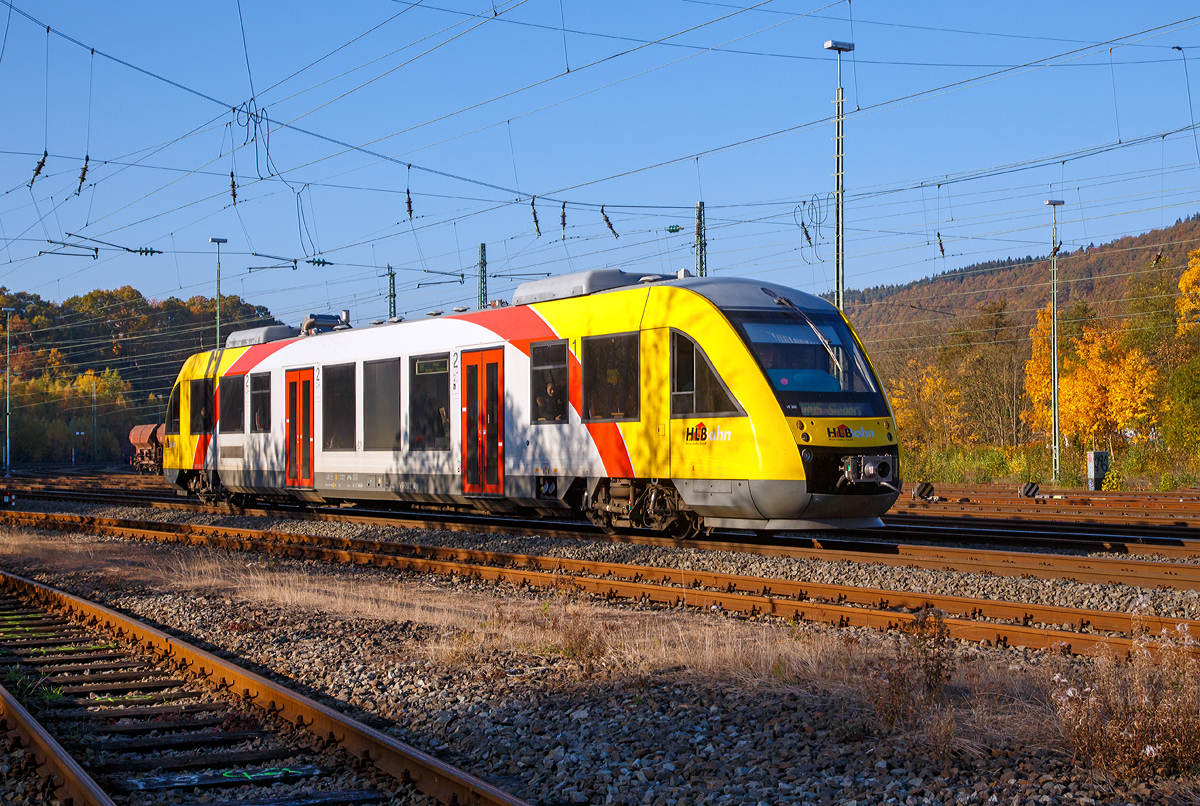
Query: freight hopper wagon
[(675, 404)]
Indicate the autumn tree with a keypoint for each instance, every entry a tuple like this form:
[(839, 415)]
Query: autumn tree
[(928, 406), (131, 348), (1039, 378), (1107, 389), (1187, 305), (986, 359)]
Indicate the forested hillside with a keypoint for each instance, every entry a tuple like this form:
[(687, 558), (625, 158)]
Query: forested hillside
[(111, 354), (1100, 275), (966, 357)]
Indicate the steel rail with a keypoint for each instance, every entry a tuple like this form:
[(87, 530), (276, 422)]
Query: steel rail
[(751, 595), (1180, 510), (1113, 539), (402, 762), (1114, 570), (71, 784), (1177, 517), (1125, 540), (1116, 535)]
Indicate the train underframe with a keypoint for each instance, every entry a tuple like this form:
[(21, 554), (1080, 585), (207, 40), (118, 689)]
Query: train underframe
[(681, 509)]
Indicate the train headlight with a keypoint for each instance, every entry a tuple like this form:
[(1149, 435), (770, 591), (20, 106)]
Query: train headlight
[(804, 437), (868, 469), (806, 455)]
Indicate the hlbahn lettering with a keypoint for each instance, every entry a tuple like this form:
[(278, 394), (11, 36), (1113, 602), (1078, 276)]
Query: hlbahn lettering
[(844, 431), (702, 433)]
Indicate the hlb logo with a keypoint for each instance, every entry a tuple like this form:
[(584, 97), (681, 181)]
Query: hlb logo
[(844, 431), (702, 433)]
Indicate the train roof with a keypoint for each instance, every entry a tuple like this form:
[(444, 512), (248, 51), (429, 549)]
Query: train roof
[(728, 293), (724, 292)]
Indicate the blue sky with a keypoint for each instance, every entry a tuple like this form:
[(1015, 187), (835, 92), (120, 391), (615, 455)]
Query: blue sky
[(962, 119)]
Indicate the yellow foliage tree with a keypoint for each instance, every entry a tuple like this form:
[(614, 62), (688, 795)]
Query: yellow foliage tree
[(928, 406), (1106, 389), (1103, 390), (1038, 379), (1188, 304)]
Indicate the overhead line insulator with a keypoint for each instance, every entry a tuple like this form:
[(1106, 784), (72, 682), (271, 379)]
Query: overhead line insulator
[(38, 170), (607, 222)]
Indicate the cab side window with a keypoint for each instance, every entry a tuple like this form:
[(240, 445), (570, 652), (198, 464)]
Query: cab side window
[(696, 389), (173, 412), (548, 382), (203, 392), (611, 377)]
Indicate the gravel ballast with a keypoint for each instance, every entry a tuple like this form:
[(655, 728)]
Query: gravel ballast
[(536, 725)]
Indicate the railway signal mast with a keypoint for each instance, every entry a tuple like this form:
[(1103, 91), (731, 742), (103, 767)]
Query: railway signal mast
[(483, 300), (218, 242), (1054, 245), (839, 233), (8, 391)]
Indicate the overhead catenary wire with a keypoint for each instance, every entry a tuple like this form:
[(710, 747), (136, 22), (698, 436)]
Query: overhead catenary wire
[(611, 207)]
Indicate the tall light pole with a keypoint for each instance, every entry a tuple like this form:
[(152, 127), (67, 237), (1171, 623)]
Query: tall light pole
[(839, 234), (218, 242), (1054, 244), (8, 391)]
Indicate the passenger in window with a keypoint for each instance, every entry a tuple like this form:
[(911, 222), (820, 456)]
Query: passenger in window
[(618, 394), (600, 401), (550, 405)]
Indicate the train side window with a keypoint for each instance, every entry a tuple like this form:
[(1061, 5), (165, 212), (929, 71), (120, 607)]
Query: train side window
[(260, 403), (232, 404), (548, 381), (611, 377), (201, 414), (381, 405), (337, 407), (696, 389), (429, 403), (173, 412)]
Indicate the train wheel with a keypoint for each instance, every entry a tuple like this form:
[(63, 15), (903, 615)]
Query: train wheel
[(687, 526)]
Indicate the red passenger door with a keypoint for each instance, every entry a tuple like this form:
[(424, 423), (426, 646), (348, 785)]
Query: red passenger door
[(299, 427), (483, 421)]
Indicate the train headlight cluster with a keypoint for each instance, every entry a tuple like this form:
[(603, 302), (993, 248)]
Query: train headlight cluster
[(868, 469)]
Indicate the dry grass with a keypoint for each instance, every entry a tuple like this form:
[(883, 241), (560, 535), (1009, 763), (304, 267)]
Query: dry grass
[(1138, 716)]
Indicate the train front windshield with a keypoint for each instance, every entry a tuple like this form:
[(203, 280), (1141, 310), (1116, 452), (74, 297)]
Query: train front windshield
[(812, 376)]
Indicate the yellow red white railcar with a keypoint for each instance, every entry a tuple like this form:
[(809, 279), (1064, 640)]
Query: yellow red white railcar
[(668, 403)]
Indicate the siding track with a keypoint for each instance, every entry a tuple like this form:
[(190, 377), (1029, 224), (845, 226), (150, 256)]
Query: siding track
[(125, 713)]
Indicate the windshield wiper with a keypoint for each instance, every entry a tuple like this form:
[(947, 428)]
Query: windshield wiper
[(821, 336)]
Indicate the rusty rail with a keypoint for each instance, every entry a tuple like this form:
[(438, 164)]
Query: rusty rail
[(402, 762), (73, 786), (1014, 624), (1114, 570)]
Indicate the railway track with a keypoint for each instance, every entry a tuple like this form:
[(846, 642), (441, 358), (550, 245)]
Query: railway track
[(983, 620), (869, 546), (967, 503), (115, 711)]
